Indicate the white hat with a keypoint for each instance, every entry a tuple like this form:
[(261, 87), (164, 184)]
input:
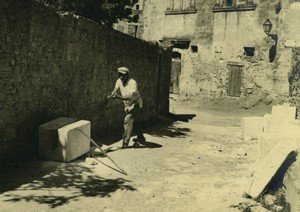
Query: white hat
[(123, 70)]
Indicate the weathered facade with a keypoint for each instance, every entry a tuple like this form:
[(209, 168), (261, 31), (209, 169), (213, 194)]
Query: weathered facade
[(132, 28), (60, 65), (220, 47)]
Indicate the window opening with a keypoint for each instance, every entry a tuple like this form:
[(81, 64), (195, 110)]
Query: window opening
[(233, 5), (194, 48), (176, 55), (229, 3), (180, 43), (181, 7), (249, 51)]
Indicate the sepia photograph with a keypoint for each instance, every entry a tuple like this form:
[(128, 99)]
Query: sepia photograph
[(149, 105)]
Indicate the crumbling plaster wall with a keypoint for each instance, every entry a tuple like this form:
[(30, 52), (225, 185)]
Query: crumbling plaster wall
[(236, 30), (221, 38), (197, 27), (54, 65)]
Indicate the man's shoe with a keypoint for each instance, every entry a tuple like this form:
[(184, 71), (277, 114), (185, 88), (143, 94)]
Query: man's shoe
[(136, 145), (140, 140), (124, 146)]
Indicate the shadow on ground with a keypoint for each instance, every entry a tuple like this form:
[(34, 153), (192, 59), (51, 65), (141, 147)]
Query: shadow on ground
[(165, 126), (147, 144), (181, 117), (161, 126), (277, 181), (56, 184)]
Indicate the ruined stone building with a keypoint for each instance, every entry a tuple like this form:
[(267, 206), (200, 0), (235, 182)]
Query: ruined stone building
[(226, 47), (134, 27)]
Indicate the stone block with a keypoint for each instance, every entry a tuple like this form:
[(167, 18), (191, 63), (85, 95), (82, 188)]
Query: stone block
[(269, 166), (49, 145), (267, 122), (251, 127), (61, 140), (281, 115), (268, 140), (284, 112), (73, 141), (292, 128)]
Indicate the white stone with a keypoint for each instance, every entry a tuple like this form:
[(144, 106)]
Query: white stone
[(292, 128), (284, 111), (281, 116), (49, 145), (267, 122), (268, 140), (74, 143), (269, 166), (270, 199), (91, 161), (290, 131), (251, 127)]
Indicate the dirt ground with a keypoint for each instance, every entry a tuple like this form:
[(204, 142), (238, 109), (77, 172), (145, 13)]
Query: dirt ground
[(197, 162)]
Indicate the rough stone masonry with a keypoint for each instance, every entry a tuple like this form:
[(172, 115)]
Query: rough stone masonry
[(60, 65)]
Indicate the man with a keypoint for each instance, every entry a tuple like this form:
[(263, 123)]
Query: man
[(133, 104)]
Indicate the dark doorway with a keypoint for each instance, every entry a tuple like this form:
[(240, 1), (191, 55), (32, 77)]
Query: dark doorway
[(175, 72), (176, 44)]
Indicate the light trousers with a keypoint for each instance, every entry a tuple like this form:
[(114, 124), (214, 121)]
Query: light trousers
[(132, 124)]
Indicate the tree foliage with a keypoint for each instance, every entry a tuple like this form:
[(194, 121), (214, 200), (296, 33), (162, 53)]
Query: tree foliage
[(106, 12)]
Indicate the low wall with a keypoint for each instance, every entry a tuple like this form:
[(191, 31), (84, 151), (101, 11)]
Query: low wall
[(57, 64)]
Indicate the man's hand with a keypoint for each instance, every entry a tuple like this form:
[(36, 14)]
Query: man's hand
[(112, 95)]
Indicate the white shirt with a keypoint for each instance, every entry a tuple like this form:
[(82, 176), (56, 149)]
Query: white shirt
[(130, 90)]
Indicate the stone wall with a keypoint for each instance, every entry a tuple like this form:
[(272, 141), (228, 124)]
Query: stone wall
[(195, 27), (232, 32), (221, 38), (294, 79), (57, 64), (259, 74)]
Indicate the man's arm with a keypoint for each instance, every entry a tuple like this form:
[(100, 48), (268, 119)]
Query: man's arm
[(113, 94), (130, 97)]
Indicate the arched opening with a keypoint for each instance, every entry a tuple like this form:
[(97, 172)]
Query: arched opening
[(176, 55)]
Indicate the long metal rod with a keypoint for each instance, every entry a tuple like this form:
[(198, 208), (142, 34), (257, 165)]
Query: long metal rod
[(104, 153)]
